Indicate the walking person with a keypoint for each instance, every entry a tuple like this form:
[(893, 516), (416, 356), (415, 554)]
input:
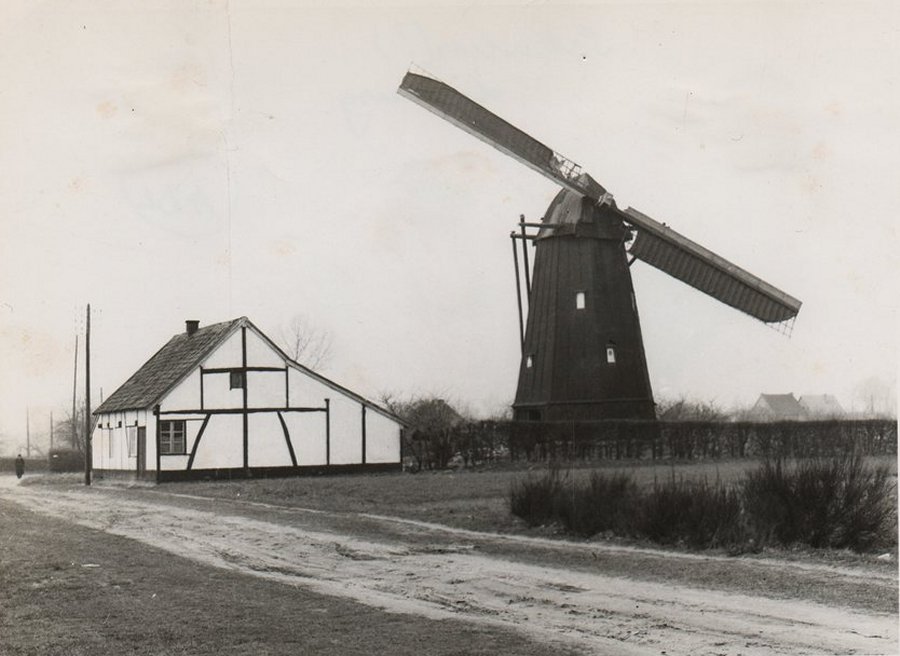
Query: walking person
[(20, 466)]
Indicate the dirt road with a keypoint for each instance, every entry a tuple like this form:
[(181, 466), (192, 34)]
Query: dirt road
[(416, 568)]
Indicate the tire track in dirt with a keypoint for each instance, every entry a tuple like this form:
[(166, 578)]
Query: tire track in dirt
[(597, 613)]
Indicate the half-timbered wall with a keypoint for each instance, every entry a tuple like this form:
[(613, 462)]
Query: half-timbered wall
[(245, 407)]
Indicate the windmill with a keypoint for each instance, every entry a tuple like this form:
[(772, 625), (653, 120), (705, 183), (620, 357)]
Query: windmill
[(582, 350)]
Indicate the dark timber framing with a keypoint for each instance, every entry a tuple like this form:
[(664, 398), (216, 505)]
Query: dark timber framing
[(245, 415), (363, 433), (156, 438), (197, 441), (327, 431), (228, 370), (237, 411), (287, 439), (174, 475)]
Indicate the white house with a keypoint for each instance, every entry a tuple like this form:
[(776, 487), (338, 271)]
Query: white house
[(821, 406), (777, 407), (223, 401)]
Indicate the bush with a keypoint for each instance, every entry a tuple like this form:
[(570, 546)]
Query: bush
[(698, 514), (536, 500), (65, 460), (839, 502), (602, 504)]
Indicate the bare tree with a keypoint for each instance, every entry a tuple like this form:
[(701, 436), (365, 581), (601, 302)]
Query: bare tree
[(429, 440), (306, 343), (878, 397)]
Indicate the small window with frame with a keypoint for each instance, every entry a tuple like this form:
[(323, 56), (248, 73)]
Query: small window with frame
[(236, 379), (579, 300), (172, 437), (611, 353)]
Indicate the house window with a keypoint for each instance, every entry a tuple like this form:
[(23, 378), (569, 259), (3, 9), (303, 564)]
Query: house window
[(171, 438), (132, 441), (237, 379), (579, 300)]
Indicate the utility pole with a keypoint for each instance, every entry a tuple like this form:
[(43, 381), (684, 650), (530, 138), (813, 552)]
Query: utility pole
[(88, 462), (74, 391)]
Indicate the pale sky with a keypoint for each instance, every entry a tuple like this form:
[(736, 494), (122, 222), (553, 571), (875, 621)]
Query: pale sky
[(208, 160)]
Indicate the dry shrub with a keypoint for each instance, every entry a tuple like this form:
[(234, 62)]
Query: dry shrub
[(835, 503), (694, 513)]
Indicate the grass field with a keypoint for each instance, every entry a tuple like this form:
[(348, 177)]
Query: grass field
[(475, 499)]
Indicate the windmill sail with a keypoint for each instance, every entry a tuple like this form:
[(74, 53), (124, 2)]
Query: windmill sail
[(655, 243), (466, 114), (681, 258)]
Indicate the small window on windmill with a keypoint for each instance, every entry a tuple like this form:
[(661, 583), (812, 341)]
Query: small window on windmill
[(529, 361), (579, 300), (610, 353), (237, 379)]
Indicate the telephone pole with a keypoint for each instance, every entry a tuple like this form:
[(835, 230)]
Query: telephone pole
[(88, 462), (74, 392)]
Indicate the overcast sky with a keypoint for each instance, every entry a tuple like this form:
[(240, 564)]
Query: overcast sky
[(208, 160)]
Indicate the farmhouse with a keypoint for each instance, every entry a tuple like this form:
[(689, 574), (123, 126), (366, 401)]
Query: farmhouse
[(777, 407), (821, 406), (223, 401)]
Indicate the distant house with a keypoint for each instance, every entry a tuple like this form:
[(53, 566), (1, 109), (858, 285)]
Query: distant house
[(223, 401), (821, 406), (777, 407)]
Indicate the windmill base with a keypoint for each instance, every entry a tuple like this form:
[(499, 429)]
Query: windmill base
[(585, 410)]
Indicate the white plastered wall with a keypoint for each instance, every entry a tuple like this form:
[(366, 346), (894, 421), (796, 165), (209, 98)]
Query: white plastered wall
[(382, 438), (109, 445), (222, 444)]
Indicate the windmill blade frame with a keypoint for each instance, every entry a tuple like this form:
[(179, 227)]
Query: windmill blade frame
[(687, 261), (481, 123)]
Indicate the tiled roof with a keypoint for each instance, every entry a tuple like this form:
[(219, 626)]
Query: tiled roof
[(783, 404), (821, 404), (167, 367)]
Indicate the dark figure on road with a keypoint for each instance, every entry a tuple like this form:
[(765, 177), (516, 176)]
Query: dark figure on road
[(20, 466)]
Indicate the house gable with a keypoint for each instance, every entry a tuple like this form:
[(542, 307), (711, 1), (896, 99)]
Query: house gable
[(166, 368)]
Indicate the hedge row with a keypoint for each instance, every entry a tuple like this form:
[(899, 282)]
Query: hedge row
[(473, 443)]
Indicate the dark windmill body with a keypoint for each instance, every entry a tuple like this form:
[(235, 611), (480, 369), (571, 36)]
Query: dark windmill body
[(582, 350)]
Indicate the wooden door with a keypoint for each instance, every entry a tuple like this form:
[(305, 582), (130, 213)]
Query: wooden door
[(141, 451)]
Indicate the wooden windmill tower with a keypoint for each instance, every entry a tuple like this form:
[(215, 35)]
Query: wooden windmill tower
[(582, 351)]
